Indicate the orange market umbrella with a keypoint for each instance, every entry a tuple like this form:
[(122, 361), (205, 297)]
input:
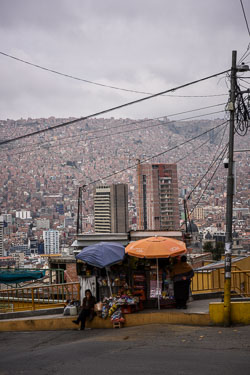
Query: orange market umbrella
[(156, 247)]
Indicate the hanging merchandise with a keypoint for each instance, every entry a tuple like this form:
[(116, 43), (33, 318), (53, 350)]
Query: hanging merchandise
[(113, 308), (117, 316), (105, 311)]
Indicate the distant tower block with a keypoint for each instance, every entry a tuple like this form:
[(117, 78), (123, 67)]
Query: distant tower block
[(198, 213), (111, 208), (51, 241), (157, 197)]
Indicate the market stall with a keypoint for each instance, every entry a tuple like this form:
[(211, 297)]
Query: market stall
[(158, 248), (128, 280), (102, 255), (103, 261)]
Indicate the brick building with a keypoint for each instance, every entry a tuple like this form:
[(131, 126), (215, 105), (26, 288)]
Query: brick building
[(157, 197)]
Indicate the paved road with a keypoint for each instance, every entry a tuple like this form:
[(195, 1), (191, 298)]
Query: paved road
[(152, 349)]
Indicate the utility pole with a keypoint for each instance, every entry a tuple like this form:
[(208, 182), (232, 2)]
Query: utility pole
[(185, 213), (79, 210), (139, 226), (230, 193)]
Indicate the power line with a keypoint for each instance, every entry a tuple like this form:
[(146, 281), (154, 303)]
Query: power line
[(242, 6), (111, 134), (155, 125), (129, 124), (208, 170), (245, 55), (203, 144), (193, 151), (208, 183), (113, 108), (154, 156), (98, 83), (39, 144)]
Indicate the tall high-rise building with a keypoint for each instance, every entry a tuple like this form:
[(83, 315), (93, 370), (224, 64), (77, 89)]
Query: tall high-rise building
[(1, 236), (111, 208), (157, 197), (51, 241)]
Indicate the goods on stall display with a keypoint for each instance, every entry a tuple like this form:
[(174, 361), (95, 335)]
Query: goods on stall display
[(138, 280), (112, 309), (154, 290), (168, 288), (117, 282), (116, 306), (117, 316), (139, 286), (105, 311), (165, 289)]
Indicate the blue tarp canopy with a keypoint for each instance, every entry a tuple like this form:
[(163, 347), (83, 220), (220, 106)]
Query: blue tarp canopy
[(102, 254), (19, 276)]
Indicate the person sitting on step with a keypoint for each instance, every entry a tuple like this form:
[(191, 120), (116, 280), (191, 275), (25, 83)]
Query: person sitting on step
[(87, 309)]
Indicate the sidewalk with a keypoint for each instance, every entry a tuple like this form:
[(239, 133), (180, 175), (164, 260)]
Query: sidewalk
[(197, 313)]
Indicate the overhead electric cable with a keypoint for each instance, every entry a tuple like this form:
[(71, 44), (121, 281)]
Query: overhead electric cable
[(98, 83), (114, 108), (106, 135), (203, 144), (193, 151), (155, 125), (208, 170), (154, 156), (242, 6), (245, 54), (199, 147), (208, 183), (39, 144)]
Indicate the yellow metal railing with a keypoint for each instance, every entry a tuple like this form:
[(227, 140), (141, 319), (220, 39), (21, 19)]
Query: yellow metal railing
[(38, 297), (212, 280), (241, 282)]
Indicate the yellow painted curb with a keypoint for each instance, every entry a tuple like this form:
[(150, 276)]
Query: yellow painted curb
[(240, 312), (65, 322)]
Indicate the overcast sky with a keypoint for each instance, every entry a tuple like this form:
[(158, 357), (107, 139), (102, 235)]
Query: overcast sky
[(145, 45)]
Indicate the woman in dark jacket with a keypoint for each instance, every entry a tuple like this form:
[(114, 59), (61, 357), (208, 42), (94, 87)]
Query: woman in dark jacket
[(87, 309), (182, 274)]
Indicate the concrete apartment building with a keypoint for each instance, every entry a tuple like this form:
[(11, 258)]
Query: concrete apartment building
[(23, 214), (198, 213), (111, 208), (51, 241), (157, 197)]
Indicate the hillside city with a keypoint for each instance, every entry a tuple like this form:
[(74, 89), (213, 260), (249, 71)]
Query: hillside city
[(124, 187), (40, 175)]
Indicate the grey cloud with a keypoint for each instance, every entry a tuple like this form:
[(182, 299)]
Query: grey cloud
[(139, 44)]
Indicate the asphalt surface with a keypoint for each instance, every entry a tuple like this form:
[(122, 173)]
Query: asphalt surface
[(152, 349)]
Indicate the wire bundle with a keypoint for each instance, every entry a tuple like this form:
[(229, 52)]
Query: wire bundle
[(242, 112)]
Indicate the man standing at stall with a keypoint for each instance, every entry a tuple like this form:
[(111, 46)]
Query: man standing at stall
[(181, 274)]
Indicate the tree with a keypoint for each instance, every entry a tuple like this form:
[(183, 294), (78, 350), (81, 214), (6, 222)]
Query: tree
[(208, 247), (216, 251)]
